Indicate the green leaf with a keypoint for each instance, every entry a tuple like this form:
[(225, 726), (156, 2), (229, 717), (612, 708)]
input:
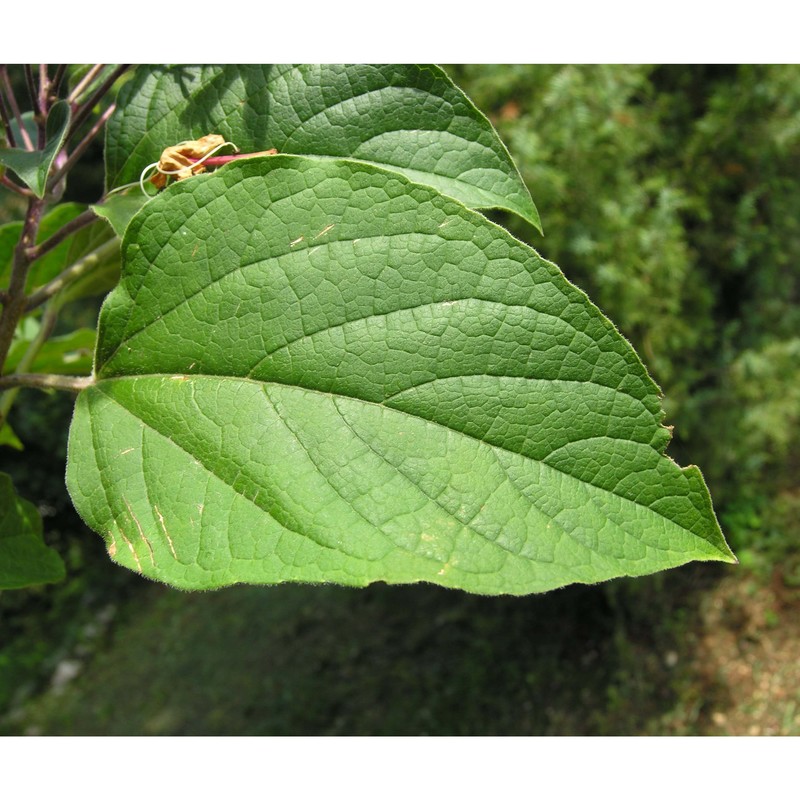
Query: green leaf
[(25, 560), (407, 118), (9, 236), (317, 371), (119, 209), (9, 438), (70, 354), (31, 128), (33, 166), (76, 73)]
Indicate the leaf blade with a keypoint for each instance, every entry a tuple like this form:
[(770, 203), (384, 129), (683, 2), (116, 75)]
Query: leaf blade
[(410, 118), (419, 399), (33, 166), (25, 560)]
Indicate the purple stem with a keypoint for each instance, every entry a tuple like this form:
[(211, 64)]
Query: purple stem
[(218, 161), (7, 122), (20, 190), (30, 85), (14, 306), (85, 109), (81, 147), (81, 221), (12, 101), (61, 70), (36, 107), (44, 89)]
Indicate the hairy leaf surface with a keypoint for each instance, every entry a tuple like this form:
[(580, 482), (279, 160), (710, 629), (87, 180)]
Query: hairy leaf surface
[(404, 117), (315, 370)]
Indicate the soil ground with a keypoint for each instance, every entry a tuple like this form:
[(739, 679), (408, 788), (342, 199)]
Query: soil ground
[(748, 655)]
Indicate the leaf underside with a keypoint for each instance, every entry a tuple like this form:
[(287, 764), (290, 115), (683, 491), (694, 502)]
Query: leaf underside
[(314, 370), (408, 118)]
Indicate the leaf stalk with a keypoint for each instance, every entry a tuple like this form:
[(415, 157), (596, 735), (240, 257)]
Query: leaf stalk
[(38, 380), (84, 82), (10, 139), (12, 101), (81, 147), (81, 221), (28, 357), (20, 190), (15, 305), (83, 110)]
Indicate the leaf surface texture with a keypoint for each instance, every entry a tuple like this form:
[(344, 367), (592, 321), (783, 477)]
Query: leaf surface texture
[(315, 370)]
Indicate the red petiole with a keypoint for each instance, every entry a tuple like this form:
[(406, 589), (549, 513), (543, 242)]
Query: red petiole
[(218, 161)]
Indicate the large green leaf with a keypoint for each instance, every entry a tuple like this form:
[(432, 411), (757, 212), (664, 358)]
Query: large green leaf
[(33, 166), (409, 118), (25, 560), (317, 371)]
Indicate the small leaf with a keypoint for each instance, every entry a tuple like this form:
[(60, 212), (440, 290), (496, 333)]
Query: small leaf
[(405, 117), (33, 166), (119, 209), (25, 560), (314, 370), (9, 438)]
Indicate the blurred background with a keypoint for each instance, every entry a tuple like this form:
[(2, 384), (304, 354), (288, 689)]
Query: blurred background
[(670, 195)]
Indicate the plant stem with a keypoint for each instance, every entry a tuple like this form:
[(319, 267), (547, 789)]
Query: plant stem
[(81, 148), (44, 89), (12, 101), (81, 221), (72, 273), (46, 328), (31, 87), (38, 380), (84, 82), (16, 300), (12, 142), (58, 77), (85, 108), (41, 105), (218, 161), (20, 190)]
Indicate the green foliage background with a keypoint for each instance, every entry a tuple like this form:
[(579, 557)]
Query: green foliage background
[(671, 196)]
